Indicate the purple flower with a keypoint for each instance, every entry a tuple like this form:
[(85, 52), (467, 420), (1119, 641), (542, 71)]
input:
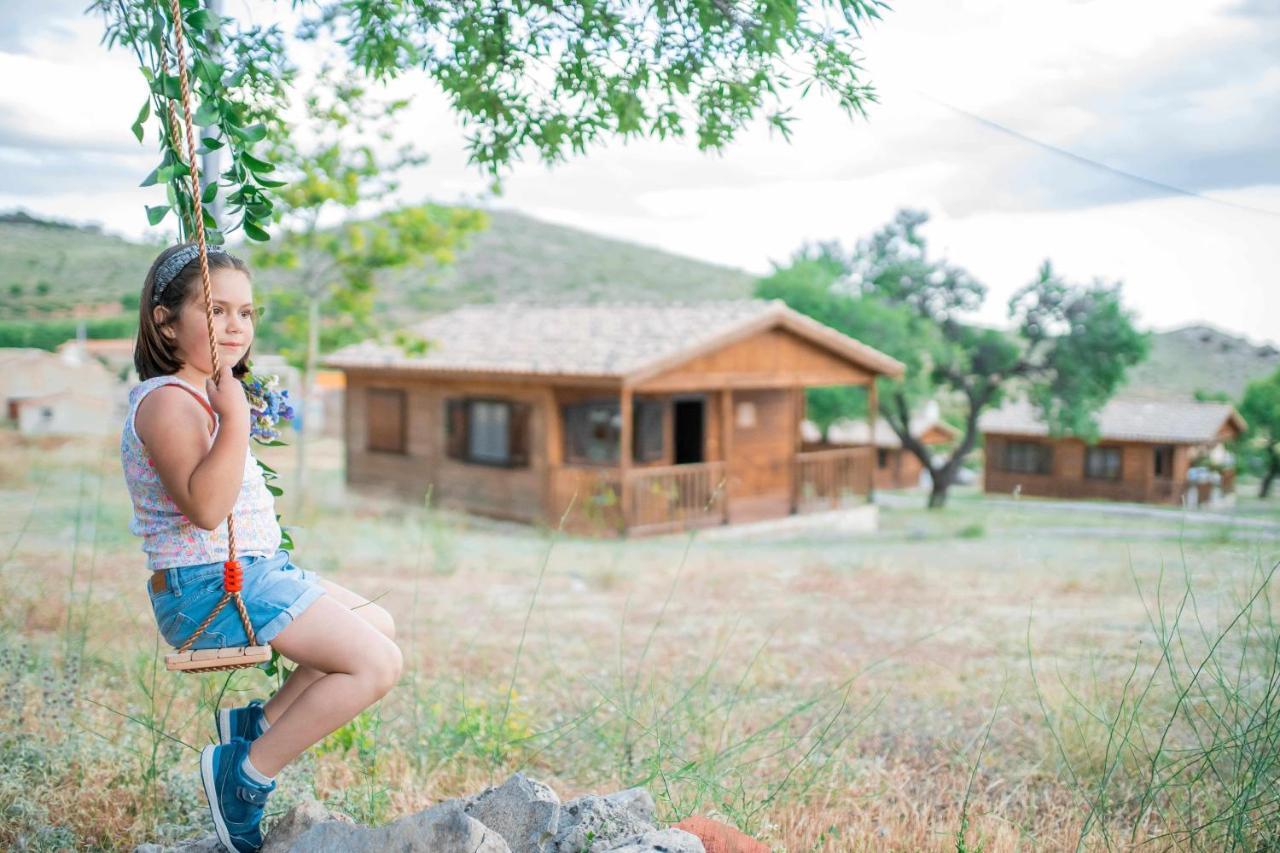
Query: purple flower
[(268, 405)]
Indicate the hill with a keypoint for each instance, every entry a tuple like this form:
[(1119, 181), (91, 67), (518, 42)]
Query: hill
[(48, 270), (54, 272), (1200, 358)]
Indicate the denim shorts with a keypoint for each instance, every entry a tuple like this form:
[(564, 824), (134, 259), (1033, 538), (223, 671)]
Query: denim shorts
[(275, 593)]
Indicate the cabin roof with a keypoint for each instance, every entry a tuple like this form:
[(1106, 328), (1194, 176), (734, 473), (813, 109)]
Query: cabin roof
[(602, 340), (930, 428), (1166, 421)]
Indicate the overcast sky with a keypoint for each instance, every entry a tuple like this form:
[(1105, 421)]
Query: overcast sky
[(1183, 94)]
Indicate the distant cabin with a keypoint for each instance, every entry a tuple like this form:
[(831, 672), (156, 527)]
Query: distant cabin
[(1147, 451), (43, 393), (635, 417), (894, 467)]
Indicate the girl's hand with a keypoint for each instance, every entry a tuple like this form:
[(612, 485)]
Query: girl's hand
[(227, 398)]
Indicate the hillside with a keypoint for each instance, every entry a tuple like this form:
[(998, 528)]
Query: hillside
[(47, 269), (58, 271), (1201, 358)]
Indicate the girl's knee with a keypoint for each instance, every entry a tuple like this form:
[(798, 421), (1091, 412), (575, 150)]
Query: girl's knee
[(384, 664)]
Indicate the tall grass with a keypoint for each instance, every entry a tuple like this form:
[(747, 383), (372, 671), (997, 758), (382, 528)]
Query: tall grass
[(1173, 745), (1186, 750)]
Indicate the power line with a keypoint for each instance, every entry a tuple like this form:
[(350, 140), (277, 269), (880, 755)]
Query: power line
[(1112, 170)]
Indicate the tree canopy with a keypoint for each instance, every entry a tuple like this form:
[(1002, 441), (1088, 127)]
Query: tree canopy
[(526, 79), (1067, 349), (1261, 443)]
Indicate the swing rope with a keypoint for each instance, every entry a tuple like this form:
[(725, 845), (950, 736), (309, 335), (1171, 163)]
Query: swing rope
[(232, 572)]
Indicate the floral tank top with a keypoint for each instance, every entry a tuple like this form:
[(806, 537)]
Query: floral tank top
[(169, 539)]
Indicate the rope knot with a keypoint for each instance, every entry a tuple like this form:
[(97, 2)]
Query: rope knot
[(232, 576)]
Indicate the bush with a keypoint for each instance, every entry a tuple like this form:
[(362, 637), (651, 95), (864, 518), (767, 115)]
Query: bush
[(48, 334)]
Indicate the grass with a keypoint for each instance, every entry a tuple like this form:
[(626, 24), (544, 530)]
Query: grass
[(984, 678)]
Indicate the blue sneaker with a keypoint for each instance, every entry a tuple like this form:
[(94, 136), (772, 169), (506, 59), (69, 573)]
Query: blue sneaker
[(235, 800), (243, 722)]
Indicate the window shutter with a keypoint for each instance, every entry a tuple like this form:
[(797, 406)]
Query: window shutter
[(455, 429), (518, 434), (647, 430), (385, 410)]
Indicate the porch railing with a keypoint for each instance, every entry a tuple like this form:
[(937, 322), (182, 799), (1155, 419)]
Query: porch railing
[(828, 479), (676, 496)]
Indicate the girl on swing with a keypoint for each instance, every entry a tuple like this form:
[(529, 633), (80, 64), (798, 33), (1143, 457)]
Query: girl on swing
[(185, 449)]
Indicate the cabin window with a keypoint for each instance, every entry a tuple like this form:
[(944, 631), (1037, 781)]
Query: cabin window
[(593, 432), (385, 424), (1102, 463), (1164, 461), (882, 457), (1028, 457), (487, 432)]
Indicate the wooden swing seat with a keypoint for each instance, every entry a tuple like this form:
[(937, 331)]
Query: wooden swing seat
[(208, 660)]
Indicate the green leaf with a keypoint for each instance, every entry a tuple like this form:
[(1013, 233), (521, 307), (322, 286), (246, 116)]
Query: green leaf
[(143, 115), (210, 193), (207, 216), (155, 214), (255, 165), (252, 133), (211, 144), (275, 490), (152, 179), (207, 114), (203, 19), (254, 232), (267, 182)]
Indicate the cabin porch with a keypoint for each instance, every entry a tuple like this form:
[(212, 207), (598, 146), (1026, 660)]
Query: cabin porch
[(651, 462)]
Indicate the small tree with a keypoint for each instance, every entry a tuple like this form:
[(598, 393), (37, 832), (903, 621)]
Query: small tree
[(1261, 444), (1067, 351), (329, 297)]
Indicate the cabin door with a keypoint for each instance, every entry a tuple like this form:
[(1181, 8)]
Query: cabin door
[(760, 455), (689, 426)]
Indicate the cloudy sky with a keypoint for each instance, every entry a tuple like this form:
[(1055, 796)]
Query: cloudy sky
[(975, 96)]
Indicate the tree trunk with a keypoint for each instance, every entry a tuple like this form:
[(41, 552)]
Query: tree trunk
[(1273, 470), (940, 481), (307, 403)]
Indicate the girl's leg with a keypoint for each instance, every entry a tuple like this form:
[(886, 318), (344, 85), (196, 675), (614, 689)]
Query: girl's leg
[(359, 665), (303, 677)]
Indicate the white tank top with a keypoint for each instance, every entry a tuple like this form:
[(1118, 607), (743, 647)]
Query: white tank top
[(168, 537)]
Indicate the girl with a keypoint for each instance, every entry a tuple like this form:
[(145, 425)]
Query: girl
[(187, 463)]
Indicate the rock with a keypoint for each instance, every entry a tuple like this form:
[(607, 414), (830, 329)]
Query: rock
[(298, 820), (524, 812), (719, 837), (638, 801), (207, 844), (659, 841), (443, 828), (594, 823)]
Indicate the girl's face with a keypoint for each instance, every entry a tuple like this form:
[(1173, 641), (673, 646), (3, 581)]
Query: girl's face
[(233, 315)]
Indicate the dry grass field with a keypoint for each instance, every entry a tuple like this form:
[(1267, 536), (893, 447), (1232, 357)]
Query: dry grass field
[(994, 676)]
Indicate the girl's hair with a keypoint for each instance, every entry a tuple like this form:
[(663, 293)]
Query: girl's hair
[(154, 354)]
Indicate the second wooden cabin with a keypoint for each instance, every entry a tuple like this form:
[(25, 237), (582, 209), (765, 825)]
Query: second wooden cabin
[(608, 418)]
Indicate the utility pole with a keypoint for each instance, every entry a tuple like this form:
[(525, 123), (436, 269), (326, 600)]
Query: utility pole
[(211, 161)]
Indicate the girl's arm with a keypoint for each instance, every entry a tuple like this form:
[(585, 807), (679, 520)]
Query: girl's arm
[(202, 474)]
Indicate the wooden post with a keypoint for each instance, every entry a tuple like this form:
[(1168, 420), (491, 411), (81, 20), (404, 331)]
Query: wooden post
[(726, 445), (553, 454), (873, 410), (798, 406), (624, 455)]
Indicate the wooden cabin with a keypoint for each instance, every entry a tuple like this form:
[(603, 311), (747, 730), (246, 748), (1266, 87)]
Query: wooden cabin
[(894, 466), (1147, 452), (608, 418)]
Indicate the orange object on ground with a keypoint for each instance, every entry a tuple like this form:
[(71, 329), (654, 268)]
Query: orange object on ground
[(719, 837)]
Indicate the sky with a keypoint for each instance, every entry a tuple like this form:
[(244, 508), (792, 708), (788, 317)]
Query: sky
[(988, 113)]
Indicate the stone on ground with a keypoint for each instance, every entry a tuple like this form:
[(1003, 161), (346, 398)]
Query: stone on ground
[(524, 812)]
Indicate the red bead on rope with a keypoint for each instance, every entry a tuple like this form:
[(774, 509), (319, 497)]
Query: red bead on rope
[(232, 576)]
